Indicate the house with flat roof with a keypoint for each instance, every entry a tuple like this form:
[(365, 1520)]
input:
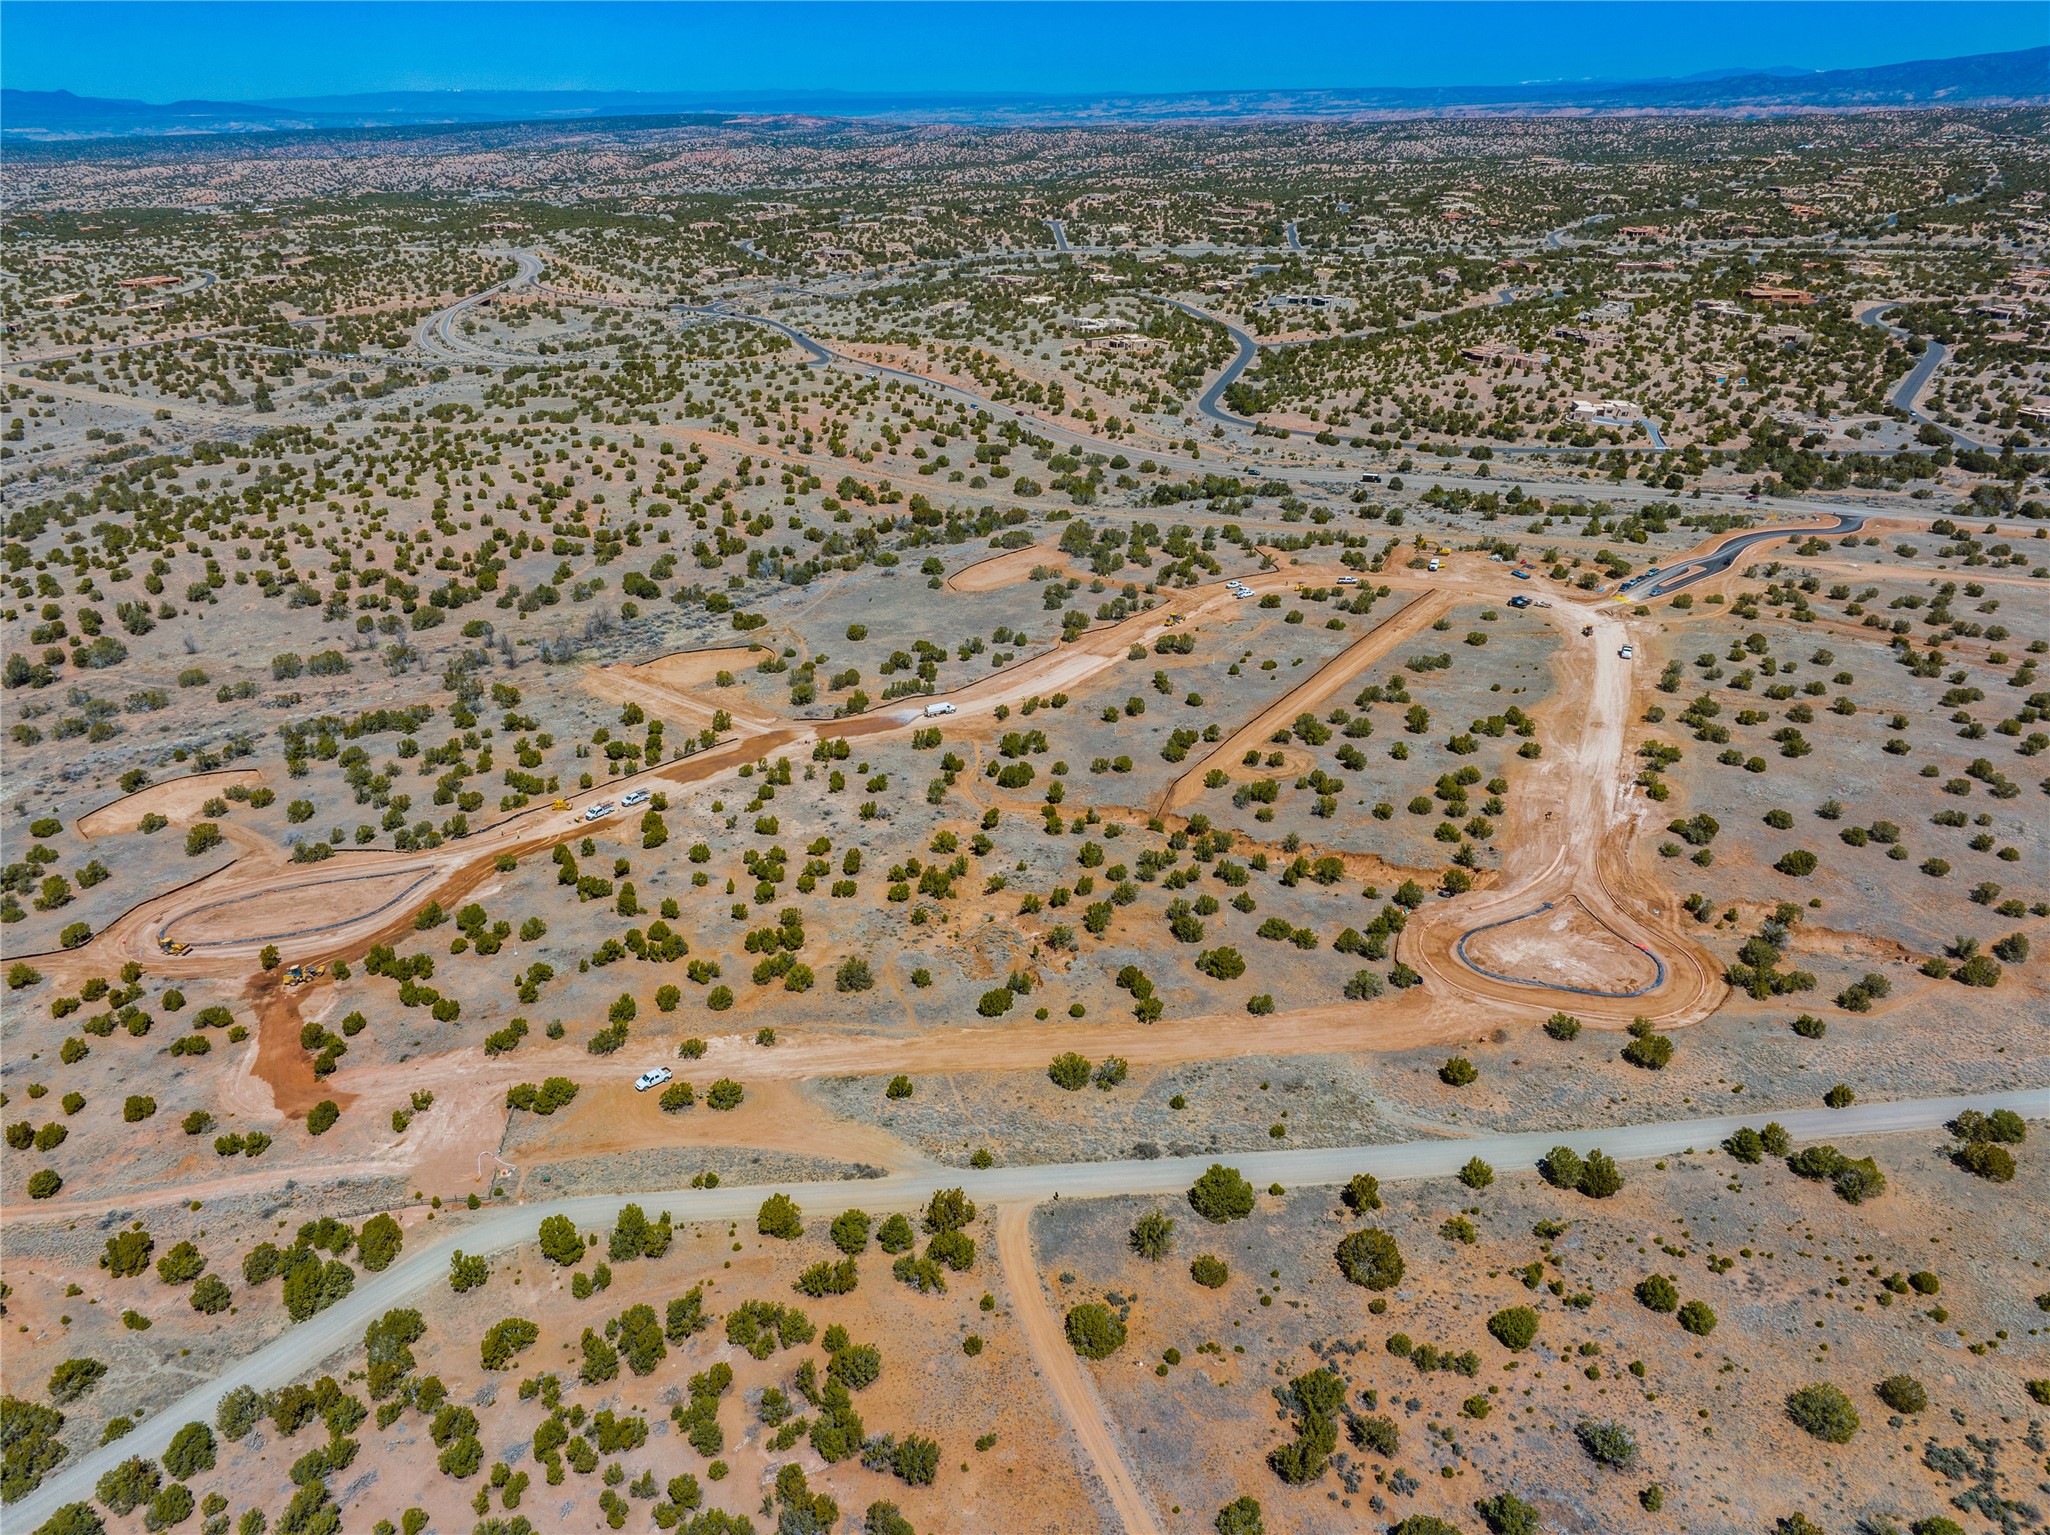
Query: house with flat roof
[(1607, 412)]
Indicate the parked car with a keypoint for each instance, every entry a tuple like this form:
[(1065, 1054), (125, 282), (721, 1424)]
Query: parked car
[(638, 797)]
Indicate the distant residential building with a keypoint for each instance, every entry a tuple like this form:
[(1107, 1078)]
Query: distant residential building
[(1504, 354), (1779, 298), (1721, 306)]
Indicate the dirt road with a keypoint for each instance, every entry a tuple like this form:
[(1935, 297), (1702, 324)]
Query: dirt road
[(1311, 693), (1072, 1389), (352, 900), (1569, 837), (1568, 842), (304, 1349)]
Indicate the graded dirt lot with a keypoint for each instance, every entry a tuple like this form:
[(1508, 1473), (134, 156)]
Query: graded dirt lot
[(1564, 947), (177, 801), (1004, 570)]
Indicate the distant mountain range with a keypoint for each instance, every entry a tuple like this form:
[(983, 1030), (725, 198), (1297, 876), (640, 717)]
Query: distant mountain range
[(1987, 79)]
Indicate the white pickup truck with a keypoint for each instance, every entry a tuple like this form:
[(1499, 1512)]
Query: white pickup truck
[(602, 808)]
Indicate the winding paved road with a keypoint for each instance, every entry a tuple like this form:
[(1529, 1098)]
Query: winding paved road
[(1910, 388), (301, 1350), (436, 332), (1672, 578), (1248, 349)]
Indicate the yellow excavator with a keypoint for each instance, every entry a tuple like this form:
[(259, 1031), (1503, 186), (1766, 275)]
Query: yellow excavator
[(558, 804)]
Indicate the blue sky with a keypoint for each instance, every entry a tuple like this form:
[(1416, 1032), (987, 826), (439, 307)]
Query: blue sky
[(251, 49)]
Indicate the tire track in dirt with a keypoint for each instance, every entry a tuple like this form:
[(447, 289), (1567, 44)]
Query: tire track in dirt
[(1072, 1389)]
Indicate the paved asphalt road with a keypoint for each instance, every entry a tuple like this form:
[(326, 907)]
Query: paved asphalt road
[(1248, 349), (818, 355), (1295, 241), (1909, 389), (301, 1349), (1673, 577), (1060, 235), (439, 326)]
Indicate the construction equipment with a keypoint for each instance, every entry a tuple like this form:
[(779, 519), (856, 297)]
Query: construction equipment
[(299, 975), (558, 804), (173, 946)]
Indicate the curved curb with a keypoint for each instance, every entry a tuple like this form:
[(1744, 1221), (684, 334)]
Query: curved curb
[(1578, 991), (164, 930)]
